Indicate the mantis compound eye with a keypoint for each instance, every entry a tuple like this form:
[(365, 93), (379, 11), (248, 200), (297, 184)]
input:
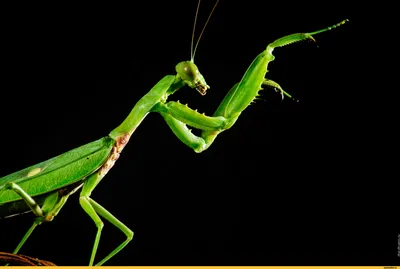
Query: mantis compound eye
[(190, 74), (187, 70)]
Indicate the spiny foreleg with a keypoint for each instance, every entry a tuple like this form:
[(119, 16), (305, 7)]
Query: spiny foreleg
[(238, 98)]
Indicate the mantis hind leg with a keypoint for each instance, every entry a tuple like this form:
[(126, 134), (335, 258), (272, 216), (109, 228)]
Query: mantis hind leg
[(51, 206), (95, 210), (26, 236)]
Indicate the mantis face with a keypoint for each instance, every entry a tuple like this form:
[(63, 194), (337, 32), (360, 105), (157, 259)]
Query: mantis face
[(190, 74)]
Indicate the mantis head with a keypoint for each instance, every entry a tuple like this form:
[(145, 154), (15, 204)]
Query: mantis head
[(188, 71), (190, 74)]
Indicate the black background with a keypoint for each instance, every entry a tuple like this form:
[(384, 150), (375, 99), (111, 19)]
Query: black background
[(291, 183)]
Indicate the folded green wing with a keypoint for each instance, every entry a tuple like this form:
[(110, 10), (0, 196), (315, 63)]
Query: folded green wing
[(59, 171)]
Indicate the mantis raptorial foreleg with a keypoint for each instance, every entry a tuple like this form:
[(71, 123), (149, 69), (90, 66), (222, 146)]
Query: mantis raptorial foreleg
[(238, 98)]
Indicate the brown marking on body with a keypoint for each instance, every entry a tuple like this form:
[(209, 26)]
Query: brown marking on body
[(120, 143)]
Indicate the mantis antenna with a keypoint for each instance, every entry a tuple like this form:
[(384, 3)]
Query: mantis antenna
[(192, 53)]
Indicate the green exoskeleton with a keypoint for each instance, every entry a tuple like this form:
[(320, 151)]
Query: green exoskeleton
[(45, 187)]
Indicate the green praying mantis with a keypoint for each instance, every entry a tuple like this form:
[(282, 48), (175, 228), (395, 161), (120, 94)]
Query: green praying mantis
[(44, 188)]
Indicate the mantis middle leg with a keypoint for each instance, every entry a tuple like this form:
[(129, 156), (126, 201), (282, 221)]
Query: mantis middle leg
[(95, 210)]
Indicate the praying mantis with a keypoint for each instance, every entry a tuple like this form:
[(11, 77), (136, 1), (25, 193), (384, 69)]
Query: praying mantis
[(45, 187)]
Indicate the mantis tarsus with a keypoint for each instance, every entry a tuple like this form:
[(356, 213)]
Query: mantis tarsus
[(45, 187)]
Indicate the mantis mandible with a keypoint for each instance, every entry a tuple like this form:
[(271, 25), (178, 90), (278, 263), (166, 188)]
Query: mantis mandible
[(45, 187)]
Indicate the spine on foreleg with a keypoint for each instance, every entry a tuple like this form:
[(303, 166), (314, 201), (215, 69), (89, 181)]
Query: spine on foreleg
[(244, 92)]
